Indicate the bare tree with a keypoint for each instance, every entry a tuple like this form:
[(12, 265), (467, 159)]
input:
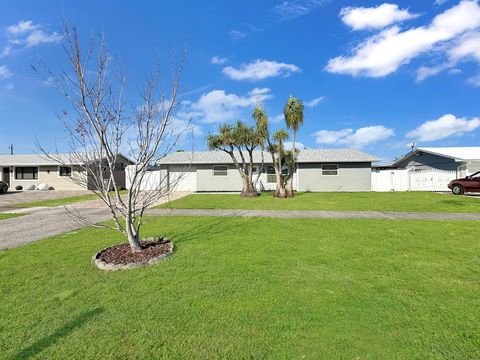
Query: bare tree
[(103, 126)]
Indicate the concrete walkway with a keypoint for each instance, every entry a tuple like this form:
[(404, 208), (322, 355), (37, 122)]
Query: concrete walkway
[(317, 214), (41, 223)]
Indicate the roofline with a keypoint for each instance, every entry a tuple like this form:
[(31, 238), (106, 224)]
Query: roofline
[(53, 163), (268, 162), (414, 152)]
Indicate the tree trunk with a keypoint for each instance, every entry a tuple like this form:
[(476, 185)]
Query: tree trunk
[(289, 188), (280, 190), (132, 235), (249, 189)]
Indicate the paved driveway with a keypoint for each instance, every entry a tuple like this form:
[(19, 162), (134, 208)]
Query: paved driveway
[(17, 197), (41, 223)]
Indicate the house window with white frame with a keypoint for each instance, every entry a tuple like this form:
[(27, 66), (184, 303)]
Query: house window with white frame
[(220, 170), (65, 171), (329, 169), (26, 173), (271, 177)]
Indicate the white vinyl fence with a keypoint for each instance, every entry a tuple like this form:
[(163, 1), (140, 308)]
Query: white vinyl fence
[(412, 180), (150, 182)]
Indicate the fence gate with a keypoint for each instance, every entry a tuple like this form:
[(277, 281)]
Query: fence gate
[(430, 180), (412, 180)]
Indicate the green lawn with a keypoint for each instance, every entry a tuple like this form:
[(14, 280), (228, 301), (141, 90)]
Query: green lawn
[(251, 288), (4, 216), (62, 201), (340, 201)]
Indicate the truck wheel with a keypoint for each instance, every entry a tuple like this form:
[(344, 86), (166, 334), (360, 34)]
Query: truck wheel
[(457, 190)]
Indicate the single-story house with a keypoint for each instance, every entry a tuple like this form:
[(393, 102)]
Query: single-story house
[(463, 160), (317, 170), (32, 169)]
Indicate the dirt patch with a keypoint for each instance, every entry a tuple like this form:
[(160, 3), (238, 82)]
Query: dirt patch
[(122, 254), (122, 257)]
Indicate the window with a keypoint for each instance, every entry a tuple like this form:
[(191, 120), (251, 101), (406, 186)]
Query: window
[(65, 171), (26, 173), (119, 166), (271, 177), (220, 170), (330, 169)]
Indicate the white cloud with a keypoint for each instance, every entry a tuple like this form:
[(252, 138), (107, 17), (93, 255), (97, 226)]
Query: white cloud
[(440, 2), (314, 102), (22, 27), (360, 18), (277, 118), (6, 51), (466, 47), (218, 60), (292, 9), (219, 106), (383, 53), (27, 34), (38, 37), (354, 138), (474, 80), (185, 128), (236, 35), (5, 73), (445, 126), (260, 69), (426, 71), (298, 145)]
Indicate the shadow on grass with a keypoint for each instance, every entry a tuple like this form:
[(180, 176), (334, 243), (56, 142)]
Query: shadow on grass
[(61, 332), (212, 227)]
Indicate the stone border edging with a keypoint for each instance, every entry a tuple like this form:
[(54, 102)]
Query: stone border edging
[(102, 265)]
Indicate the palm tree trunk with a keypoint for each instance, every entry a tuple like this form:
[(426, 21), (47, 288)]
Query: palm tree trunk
[(289, 189)]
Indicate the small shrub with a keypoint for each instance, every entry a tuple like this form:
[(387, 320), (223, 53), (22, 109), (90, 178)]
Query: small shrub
[(19, 187)]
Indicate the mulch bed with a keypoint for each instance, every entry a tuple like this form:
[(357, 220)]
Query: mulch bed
[(122, 254)]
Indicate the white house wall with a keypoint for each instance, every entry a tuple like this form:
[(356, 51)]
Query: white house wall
[(182, 178)]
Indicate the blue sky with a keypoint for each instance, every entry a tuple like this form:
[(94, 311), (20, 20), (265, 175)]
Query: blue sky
[(375, 75)]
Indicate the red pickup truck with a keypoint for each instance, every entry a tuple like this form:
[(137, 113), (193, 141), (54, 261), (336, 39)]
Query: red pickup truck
[(470, 183)]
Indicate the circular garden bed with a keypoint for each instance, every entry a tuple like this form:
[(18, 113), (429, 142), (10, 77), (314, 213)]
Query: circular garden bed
[(121, 257)]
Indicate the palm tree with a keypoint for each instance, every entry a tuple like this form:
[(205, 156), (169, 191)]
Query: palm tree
[(261, 127), (293, 111), (234, 140), (279, 137)]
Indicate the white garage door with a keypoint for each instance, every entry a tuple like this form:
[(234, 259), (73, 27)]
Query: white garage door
[(183, 179)]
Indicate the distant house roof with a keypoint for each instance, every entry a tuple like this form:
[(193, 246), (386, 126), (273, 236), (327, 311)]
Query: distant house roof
[(304, 156), (459, 153), (467, 153), (39, 160)]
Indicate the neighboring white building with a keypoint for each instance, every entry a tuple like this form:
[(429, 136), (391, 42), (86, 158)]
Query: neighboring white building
[(426, 169), (463, 160), (30, 170)]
